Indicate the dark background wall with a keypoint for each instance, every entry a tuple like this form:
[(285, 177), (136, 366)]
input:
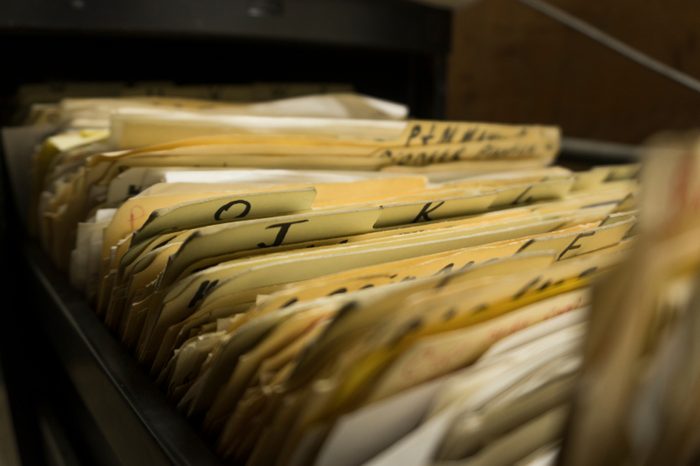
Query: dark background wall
[(510, 63)]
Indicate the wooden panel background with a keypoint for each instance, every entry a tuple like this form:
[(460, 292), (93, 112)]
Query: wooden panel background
[(512, 64)]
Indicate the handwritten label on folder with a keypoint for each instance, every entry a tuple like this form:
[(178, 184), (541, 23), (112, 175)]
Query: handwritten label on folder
[(428, 143)]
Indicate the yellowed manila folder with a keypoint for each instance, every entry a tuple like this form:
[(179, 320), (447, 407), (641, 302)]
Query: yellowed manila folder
[(563, 242), (411, 244), (518, 216), (202, 209), (137, 210), (348, 256)]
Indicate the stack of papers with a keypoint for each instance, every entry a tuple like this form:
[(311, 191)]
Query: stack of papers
[(337, 290)]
